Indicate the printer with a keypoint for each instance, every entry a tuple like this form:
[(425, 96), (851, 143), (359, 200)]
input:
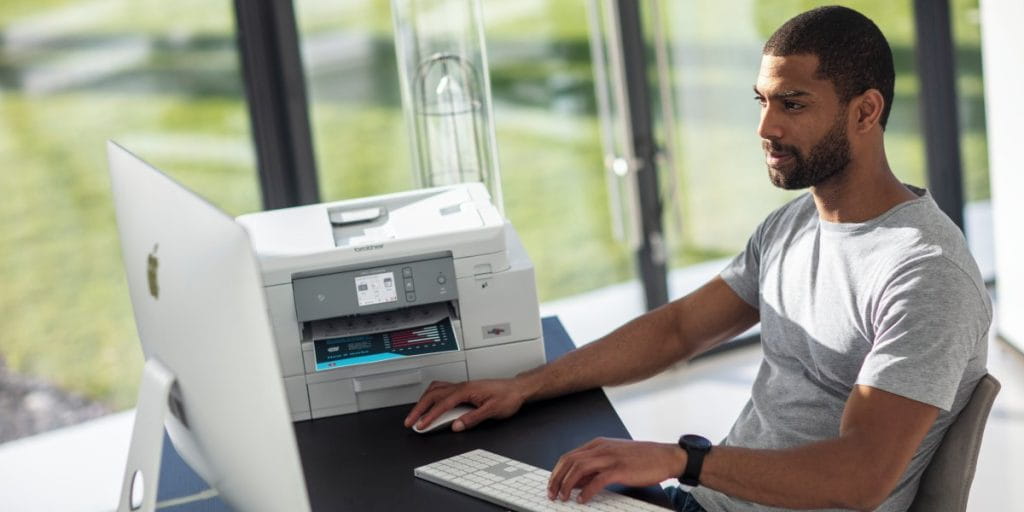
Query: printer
[(372, 299)]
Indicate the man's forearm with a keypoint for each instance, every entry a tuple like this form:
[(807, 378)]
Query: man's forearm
[(638, 349), (878, 436), (827, 474), (648, 344)]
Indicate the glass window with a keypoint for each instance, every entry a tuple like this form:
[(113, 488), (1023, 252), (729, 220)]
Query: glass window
[(355, 107), (970, 91), (723, 187), (547, 131), (550, 145), (161, 78)]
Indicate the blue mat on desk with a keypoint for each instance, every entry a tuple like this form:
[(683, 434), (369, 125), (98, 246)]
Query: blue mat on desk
[(177, 480)]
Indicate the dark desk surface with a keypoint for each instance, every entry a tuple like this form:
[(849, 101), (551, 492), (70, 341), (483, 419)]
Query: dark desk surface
[(365, 461)]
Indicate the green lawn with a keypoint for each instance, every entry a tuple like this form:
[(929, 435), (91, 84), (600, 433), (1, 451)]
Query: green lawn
[(64, 313)]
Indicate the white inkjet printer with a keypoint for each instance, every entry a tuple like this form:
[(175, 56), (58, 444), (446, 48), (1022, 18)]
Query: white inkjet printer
[(372, 299)]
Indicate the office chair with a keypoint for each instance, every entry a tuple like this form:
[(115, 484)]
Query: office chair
[(946, 481)]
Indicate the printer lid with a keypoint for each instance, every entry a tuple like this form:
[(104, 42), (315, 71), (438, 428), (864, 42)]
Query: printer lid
[(457, 218), (422, 213)]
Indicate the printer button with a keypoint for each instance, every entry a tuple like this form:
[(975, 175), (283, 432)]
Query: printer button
[(410, 297), (407, 272), (408, 285), (441, 279)]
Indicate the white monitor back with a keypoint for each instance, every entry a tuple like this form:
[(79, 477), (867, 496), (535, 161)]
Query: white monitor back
[(199, 307)]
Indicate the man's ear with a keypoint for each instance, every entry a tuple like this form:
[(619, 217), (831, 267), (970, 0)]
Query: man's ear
[(868, 107)]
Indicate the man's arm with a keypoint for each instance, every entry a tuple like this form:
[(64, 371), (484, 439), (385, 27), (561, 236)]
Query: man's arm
[(641, 348), (879, 434), (647, 344), (859, 469)]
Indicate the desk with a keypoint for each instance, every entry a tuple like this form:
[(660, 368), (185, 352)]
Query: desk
[(365, 461)]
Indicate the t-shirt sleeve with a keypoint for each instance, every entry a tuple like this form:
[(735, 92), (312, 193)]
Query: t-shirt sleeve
[(927, 323), (744, 271)]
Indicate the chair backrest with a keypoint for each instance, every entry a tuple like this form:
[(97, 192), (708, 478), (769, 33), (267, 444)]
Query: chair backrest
[(946, 481)]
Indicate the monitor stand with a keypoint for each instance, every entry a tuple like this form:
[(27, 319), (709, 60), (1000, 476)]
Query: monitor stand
[(142, 472)]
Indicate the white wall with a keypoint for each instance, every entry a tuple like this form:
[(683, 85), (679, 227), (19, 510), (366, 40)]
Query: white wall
[(1003, 60)]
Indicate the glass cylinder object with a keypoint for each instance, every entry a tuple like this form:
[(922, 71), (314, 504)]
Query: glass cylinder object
[(446, 92)]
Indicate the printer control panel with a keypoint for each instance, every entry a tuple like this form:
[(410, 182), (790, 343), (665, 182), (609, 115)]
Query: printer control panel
[(370, 290)]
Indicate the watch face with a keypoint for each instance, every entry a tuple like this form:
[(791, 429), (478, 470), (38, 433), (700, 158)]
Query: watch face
[(698, 442)]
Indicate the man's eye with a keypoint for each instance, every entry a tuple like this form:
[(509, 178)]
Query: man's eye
[(792, 105), (759, 100)]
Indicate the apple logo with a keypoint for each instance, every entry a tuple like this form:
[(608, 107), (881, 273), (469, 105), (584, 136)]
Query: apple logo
[(151, 265)]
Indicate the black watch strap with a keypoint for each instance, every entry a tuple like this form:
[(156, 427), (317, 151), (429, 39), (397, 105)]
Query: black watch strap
[(696, 448)]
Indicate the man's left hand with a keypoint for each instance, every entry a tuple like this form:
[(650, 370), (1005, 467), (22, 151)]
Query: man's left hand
[(603, 462)]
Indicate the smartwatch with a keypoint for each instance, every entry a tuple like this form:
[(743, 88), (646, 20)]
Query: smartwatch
[(696, 448)]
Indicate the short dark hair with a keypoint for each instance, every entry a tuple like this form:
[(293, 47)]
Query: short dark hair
[(852, 52)]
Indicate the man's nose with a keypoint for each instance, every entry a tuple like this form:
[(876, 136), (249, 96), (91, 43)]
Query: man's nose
[(769, 128)]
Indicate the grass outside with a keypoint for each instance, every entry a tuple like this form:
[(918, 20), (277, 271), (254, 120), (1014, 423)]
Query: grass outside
[(64, 311)]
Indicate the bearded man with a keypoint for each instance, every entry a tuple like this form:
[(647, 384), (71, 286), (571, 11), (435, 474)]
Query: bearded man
[(874, 317)]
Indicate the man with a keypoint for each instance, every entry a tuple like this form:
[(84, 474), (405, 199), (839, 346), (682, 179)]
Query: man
[(874, 317)]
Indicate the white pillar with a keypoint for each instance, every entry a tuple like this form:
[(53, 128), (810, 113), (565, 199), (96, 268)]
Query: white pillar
[(1003, 60)]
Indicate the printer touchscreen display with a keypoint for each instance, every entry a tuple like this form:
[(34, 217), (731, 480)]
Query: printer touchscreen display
[(337, 352), (376, 289)]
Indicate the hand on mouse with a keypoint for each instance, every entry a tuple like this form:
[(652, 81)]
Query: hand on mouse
[(493, 398)]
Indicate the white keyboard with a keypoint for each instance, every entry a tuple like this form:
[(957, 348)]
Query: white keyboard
[(515, 485)]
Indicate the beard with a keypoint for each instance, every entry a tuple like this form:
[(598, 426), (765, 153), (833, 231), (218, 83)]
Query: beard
[(827, 159)]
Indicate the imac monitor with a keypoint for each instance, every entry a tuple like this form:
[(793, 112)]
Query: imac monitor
[(211, 376)]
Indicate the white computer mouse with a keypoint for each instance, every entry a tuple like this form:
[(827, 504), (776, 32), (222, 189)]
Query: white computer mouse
[(445, 419)]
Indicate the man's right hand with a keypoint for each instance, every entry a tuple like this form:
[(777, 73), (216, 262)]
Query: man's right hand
[(493, 398)]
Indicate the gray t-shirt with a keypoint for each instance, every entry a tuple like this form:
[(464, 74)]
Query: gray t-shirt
[(895, 303)]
